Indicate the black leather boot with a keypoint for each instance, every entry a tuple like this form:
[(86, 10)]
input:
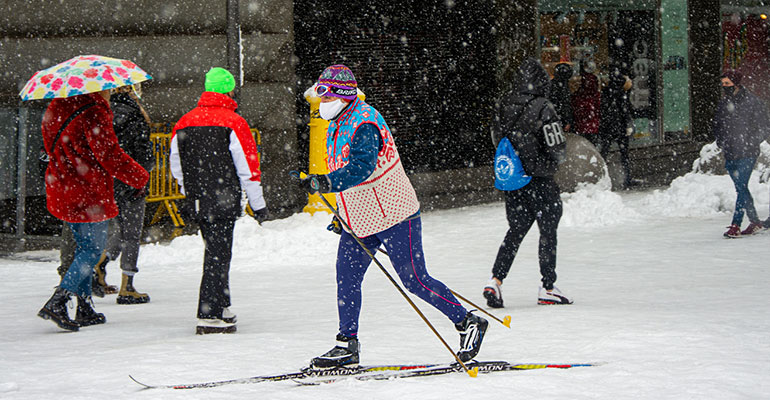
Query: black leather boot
[(86, 315), (56, 310)]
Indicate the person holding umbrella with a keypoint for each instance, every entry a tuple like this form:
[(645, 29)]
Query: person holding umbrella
[(84, 158)]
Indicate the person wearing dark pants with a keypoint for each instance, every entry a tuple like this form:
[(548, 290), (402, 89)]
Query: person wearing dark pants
[(539, 202), (132, 127), (529, 121), (215, 284), (213, 158)]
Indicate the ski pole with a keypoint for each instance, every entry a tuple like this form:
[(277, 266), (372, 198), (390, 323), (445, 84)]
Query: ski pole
[(505, 321), (471, 372)]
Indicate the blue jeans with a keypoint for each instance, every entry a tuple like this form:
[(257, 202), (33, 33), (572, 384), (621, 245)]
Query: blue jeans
[(91, 237), (740, 172), (403, 243)]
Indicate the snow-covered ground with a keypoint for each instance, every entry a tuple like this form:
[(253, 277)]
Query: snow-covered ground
[(670, 307)]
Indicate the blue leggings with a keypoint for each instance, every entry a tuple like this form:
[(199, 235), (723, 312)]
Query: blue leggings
[(90, 239), (403, 243), (740, 172)]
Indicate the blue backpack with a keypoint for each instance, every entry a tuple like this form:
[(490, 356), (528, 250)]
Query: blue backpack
[(509, 172)]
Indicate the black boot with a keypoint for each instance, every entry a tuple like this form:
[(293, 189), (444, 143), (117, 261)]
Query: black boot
[(471, 330), (56, 310), (344, 354), (86, 315)]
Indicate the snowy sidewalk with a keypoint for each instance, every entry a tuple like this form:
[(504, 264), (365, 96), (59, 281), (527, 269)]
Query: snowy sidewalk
[(673, 309)]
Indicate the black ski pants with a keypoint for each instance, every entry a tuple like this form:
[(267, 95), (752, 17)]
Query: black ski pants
[(538, 201), (215, 283)]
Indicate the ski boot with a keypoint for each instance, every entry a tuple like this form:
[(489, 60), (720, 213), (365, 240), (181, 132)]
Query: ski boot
[(471, 330), (344, 354), (56, 310), (128, 294), (86, 315), (99, 286)]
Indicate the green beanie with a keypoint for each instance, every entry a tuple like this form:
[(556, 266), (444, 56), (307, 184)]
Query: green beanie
[(219, 80)]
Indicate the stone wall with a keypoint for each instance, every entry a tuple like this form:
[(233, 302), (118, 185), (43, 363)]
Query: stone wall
[(176, 42)]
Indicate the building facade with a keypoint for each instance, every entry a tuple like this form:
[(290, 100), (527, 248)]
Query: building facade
[(433, 68)]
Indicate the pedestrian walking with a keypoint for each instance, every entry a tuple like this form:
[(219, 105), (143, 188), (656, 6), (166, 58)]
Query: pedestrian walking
[(561, 96), (615, 122), (586, 107), (740, 125), (132, 127), (379, 204), (84, 158), (528, 119), (214, 156)]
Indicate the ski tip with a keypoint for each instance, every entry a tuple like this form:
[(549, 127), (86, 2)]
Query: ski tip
[(144, 385), (507, 321), (473, 372)]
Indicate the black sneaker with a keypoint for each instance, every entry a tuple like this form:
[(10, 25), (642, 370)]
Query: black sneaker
[(493, 294), (472, 330), (344, 354)]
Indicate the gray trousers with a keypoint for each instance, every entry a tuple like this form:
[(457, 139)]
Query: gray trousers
[(126, 234)]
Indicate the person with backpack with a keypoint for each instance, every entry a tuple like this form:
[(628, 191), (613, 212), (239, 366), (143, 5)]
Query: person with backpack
[(526, 121), (380, 207)]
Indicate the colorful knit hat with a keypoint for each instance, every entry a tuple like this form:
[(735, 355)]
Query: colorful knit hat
[(337, 81), (219, 80)]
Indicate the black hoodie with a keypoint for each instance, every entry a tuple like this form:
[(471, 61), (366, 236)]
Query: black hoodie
[(530, 122), (561, 97)]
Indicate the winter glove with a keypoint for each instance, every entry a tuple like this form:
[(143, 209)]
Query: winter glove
[(335, 226), (261, 215), (312, 183)]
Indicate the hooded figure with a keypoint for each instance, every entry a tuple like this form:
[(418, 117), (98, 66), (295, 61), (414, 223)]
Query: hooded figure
[(615, 120), (529, 121), (561, 97)]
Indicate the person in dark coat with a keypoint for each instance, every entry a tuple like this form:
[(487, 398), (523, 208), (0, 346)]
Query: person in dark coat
[(532, 125), (585, 108), (615, 121), (561, 96), (131, 124), (213, 157), (84, 160), (740, 125)]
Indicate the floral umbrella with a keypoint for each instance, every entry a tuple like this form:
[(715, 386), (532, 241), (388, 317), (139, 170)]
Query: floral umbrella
[(81, 75)]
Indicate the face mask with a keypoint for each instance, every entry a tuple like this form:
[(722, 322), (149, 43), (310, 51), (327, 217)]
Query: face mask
[(728, 90), (330, 110)]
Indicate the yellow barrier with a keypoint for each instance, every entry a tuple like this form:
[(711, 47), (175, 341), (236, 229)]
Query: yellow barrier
[(164, 189)]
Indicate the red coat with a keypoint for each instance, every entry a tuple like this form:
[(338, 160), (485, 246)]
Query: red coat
[(585, 106), (79, 178)]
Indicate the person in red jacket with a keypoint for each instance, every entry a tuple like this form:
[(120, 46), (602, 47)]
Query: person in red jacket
[(84, 158), (214, 156), (585, 108)]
